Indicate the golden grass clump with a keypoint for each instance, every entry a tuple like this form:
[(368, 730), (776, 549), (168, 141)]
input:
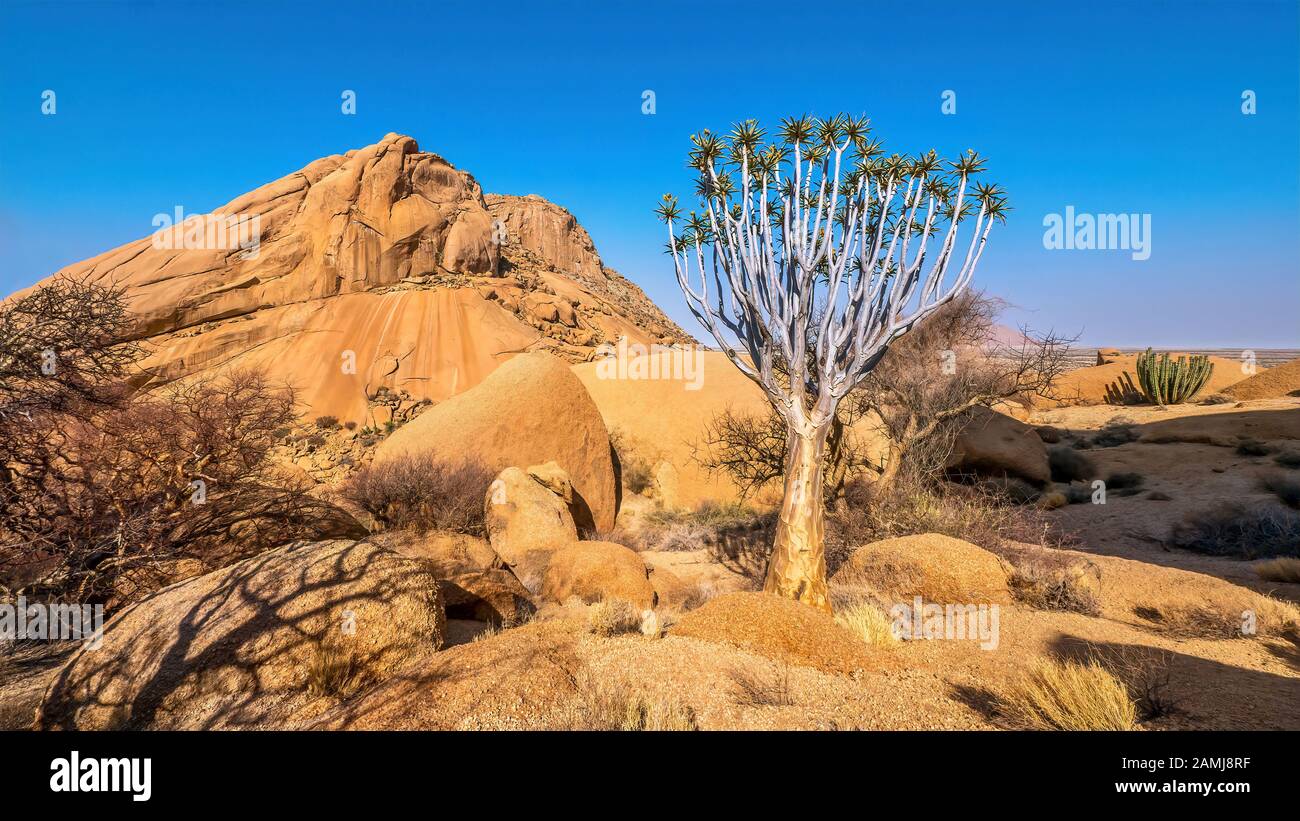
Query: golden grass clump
[(1225, 616), (1069, 695), (333, 673), (641, 712), (870, 623), (1281, 569), (609, 703), (613, 617)]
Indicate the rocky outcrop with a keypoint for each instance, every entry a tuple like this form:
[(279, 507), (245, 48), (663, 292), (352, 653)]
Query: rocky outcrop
[(993, 444), (938, 568), (376, 269), (472, 580), (529, 411), (253, 640), (522, 515), (550, 232), (592, 571)]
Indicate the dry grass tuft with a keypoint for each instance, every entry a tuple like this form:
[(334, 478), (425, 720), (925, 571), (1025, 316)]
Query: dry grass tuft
[(1282, 569), (757, 689), (333, 673), (869, 622), (1246, 615), (613, 617), (1072, 588), (1069, 695), (608, 704)]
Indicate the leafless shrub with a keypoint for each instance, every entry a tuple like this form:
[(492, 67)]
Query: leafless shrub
[(750, 450), (871, 512), (112, 501), (909, 398), (708, 525), (921, 407), (64, 351), (1238, 530), (1146, 671), (422, 492), (1068, 465), (1286, 488)]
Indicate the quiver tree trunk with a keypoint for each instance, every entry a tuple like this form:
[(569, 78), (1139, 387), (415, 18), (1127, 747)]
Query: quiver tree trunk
[(797, 568)]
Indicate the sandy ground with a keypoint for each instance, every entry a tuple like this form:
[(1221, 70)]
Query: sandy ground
[(1187, 452)]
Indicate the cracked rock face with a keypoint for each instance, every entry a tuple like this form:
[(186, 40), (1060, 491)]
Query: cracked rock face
[(380, 267)]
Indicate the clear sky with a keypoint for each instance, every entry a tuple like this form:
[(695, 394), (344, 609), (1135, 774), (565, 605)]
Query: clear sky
[(1109, 107)]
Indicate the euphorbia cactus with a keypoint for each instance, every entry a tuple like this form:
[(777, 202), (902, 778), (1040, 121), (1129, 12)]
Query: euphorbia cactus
[(1166, 381)]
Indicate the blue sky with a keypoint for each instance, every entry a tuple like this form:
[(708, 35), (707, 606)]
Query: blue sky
[(1128, 107)]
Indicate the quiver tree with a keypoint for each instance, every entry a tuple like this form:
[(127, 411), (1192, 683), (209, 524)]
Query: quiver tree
[(808, 255)]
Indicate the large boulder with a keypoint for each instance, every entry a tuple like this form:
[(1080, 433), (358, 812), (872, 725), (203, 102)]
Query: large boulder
[(472, 579), (779, 628), (993, 444), (530, 410), (239, 647), (593, 571), (938, 568), (522, 515)]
